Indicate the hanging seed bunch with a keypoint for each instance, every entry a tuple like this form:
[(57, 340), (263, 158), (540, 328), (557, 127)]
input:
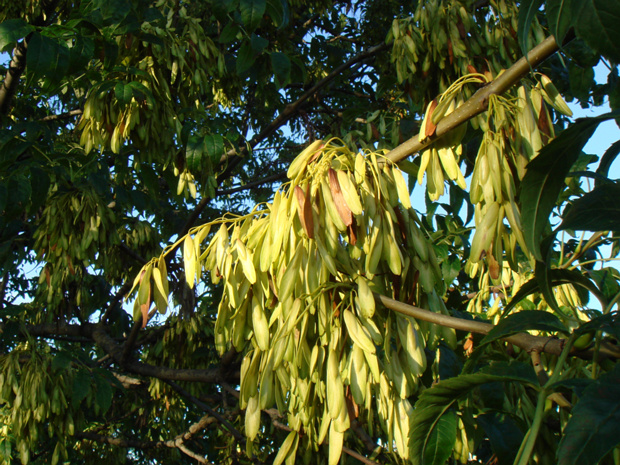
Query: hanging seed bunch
[(299, 277), (514, 128), (446, 39)]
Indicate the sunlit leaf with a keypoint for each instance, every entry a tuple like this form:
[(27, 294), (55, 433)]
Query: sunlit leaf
[(527, 13), (437, 400), (544, 180), (441, 440), (560, 17)]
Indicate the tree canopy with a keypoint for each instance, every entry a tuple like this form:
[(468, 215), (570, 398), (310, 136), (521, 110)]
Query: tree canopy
[(209, 252)]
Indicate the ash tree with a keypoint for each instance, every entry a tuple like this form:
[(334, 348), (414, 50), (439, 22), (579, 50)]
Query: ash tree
[(209, 251)]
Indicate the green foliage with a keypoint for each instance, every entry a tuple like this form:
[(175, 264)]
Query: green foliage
[(209, 251)]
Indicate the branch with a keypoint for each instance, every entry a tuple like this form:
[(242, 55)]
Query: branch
[(525, 341), (240, 437), (124, 289), (11, 79), (3, 285), (293, 108), (18, 61), (97, 334), (165, 373), (288, 112), (543, 378), (66, 115), (120, 442), (479, 102), (176, 443), (253, 184)]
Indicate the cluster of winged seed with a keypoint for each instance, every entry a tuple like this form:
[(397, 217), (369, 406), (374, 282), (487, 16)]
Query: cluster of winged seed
[(299, 276), (514, 128)]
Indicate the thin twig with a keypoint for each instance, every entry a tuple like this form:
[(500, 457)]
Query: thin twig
[(542, 376), (68, 114), (176, 443), (292, 108), (124, 289), (288, 112), (252, 185), (209, 410)]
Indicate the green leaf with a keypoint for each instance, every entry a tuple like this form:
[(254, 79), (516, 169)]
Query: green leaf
[(252, 12), (123, 93), (436, 401), (559, 17), (598, 26), (46, 57), (581, 81), (11, 31), (544, 180), (441, 440), (558, 276), (515, 323), (504, 435), (4, 196), (281, 67), (608, 323), (82, 51), (245, 58), (194, 152), (527, 13), (607, 159), (524, 321), (258, 43), (275, 9), (62, 360), (103, 395), (214, 146), (81, 387), (592, 430), (597, 210), (229, 33), (542, 274)]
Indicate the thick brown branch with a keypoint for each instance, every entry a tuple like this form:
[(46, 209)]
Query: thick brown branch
[(3, 285), (11, 79), (525, 341), (98, 335), (18, 61), (480, 100)]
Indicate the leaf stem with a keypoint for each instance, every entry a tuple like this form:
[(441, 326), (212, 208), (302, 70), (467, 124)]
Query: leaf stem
[(527, 446)]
